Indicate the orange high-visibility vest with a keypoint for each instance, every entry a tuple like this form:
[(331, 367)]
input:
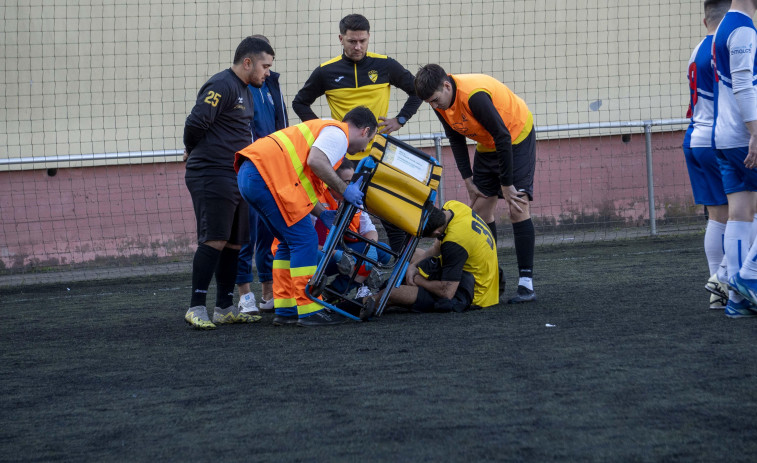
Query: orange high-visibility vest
[(281, 159), (328, 201), (511, 108)]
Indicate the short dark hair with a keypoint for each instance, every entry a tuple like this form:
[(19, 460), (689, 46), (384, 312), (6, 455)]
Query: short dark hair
[(354, 22), (436, 219), (250, 47), (428, 80), (346, 164), (261, 37), (714, 10), (361, 117)]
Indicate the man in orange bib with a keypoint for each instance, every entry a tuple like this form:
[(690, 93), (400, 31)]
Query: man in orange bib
[(282, 176), (481, 108)]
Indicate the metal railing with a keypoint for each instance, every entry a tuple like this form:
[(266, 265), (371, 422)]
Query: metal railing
[(435, 137), (645, 125), (91, 157)]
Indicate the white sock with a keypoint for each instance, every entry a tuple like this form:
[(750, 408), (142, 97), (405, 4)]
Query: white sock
[(527, 282), (723, 270), (753, 230), (713, 244), (736, 238), (749, 269)]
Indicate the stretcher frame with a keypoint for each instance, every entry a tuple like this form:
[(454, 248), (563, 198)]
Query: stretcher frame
[(396, 163)]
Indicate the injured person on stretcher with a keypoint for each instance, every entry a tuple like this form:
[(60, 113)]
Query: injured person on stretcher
[(341, 263)]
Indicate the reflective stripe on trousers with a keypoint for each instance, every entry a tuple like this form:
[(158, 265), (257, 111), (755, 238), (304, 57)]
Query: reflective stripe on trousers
[(297, 251)]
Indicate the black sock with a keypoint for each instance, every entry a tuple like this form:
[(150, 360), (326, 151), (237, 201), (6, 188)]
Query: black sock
[(226, 277), (525, 238), (493, 227), (203, 266)]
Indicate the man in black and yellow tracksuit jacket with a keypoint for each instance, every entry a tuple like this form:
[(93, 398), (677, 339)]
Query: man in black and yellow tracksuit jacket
[(359, 78)]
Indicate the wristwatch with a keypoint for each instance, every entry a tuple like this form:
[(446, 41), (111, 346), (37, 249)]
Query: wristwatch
[(402, 120)]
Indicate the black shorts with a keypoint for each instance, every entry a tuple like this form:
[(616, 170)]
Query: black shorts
[(486, 169), (221, 213), (429, 302)]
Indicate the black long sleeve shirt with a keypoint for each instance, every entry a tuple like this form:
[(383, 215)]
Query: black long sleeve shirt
[(486, 113)]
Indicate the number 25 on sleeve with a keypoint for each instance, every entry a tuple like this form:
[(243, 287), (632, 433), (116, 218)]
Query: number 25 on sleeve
[(212, 98)]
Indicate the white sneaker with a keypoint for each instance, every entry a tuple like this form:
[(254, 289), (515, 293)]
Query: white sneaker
[(717, 302), (248, 305), (362, 292), (715, 287), (266, 306)]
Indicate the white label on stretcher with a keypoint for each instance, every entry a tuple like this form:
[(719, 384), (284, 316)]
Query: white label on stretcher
[(407, 162)]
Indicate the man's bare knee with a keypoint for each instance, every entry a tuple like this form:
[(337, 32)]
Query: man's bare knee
[(519, 216), (718, 213), (485, 208)]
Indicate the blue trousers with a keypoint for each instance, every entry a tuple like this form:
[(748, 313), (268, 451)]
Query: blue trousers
[(261, 239), (297, 255)]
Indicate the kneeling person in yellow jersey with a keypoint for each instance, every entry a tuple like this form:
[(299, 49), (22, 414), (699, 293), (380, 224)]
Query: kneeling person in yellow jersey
[(460, 270)]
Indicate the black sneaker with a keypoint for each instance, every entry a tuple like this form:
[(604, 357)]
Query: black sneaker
[(502, 282), (322, 318), (346, 264), (368, 309), (523, 295), (374, 280), (281, 320)]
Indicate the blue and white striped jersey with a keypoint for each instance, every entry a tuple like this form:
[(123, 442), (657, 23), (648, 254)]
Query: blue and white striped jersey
[(733, 49), (702, 96)]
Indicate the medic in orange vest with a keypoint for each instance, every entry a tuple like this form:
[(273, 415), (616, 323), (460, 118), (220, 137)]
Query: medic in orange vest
[(282, 176)]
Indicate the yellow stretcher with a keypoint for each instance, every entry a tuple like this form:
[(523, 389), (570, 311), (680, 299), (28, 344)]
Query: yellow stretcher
[(400, 185)]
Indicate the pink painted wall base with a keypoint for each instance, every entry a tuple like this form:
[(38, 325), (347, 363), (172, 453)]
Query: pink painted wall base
[(143, 212)]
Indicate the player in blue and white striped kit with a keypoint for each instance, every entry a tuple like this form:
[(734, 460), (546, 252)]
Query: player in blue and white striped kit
[(701, 158), (734, 136)]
